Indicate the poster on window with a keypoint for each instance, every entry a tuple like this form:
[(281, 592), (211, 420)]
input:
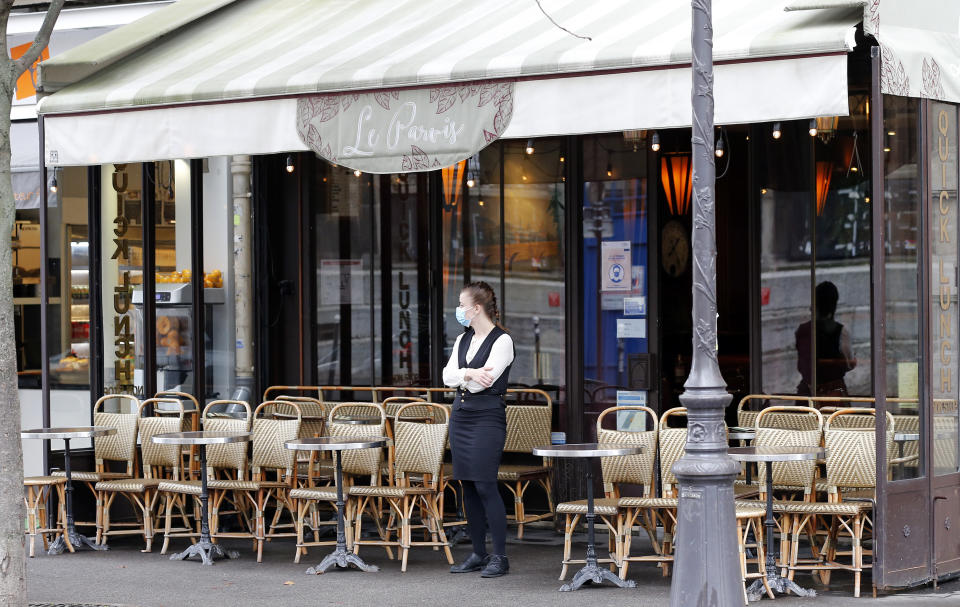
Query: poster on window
[(616, 266), (341, 282)]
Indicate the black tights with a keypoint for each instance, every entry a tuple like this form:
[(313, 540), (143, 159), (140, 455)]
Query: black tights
[(485, 510)]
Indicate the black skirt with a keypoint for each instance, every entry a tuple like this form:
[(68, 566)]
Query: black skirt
[(476, 442)]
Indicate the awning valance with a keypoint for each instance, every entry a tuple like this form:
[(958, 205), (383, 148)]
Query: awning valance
[(225, 72)]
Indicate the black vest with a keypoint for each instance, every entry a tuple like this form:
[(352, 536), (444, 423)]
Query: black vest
[(491, 397)]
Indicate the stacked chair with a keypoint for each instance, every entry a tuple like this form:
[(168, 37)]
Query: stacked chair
[(118, 448), (160, 462), (229, 459), (272, 471), (851, 485), (418, 469)]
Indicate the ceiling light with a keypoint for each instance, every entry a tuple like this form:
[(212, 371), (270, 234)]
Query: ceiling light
[(776, 130), (655, 142), (609, 170), (813, 127), (289, 164), (530, 149), (891, 133)]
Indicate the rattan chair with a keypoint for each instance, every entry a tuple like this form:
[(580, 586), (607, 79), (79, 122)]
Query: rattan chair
[(651, 512), (615, 471), (190, 467), (418, 453), (528, 426), (160, 462), (270, 459), (789, 426), (229, 459), (120, 447), (851, 464), (36, 492)]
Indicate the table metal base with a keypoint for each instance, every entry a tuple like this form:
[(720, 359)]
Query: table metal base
[(207, 551), (77, 541), (778, 585), (341, 558), (596, 574)]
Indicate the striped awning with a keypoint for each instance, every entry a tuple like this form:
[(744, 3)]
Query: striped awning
[(261, 54)]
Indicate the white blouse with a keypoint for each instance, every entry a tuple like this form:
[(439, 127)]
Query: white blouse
[(501, 355)]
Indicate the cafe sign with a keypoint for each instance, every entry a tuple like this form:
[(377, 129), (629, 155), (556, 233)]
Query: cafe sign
[(408, 130)]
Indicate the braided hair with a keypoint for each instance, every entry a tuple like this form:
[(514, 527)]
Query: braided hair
[(482, 293)]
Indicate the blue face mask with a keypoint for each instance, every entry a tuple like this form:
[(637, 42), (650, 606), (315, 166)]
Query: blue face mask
[(461, 315)]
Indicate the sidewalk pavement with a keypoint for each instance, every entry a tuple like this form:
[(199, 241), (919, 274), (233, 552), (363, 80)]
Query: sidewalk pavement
[(126, 577)]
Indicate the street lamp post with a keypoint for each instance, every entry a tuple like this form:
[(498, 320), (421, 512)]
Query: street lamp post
[(707, 570)]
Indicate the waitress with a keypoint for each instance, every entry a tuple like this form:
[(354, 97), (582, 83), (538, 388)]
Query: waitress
[(479, 368)]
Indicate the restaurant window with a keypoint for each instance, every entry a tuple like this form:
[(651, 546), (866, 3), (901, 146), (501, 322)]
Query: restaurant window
[(503, 224), (615, 270), (815, 256), (902, 238)]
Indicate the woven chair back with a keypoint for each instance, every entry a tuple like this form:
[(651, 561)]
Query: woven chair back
[(360, 462), (418, 446), (672, 441), (528, 426), (852, 451), (155, 454), (392, 404), (189, 404), (791, 474), (309, 407), (122, 446), (629, 469), (269, 436), (861, 421), (232, 456)]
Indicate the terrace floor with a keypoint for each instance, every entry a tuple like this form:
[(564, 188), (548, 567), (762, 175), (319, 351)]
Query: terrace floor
[(125, 576)]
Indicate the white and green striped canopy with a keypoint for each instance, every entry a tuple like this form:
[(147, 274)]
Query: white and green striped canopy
[(622, 64)]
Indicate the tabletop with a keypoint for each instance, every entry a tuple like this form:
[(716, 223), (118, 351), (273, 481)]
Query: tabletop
[(306, 418), (70, 432), (588, 450), (906, 436), (776, 454), (367, 420), (201, 437), (737, 433), (337, 443)]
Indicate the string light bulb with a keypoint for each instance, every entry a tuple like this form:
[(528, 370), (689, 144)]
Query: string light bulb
[(776, 130), (655, 141), (53, 184), (720, 147), (471, 182), (530, 149), (609, 170), (813, 127), (289, 164), (357, 173)]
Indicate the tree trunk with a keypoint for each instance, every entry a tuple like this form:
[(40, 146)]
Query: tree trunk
[(13, 585)]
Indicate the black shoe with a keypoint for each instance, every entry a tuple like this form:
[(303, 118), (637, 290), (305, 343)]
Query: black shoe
[(497, 566), (474, 562)]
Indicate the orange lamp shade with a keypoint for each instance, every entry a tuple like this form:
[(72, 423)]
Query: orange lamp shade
[(675, 175), (824, 174)]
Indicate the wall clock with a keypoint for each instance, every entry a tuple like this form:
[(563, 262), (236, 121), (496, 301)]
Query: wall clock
[(674, 248)]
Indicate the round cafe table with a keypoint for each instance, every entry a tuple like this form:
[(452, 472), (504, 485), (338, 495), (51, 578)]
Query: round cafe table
[(340, 557), (591, 572), (205, 548), (768, 455), (71, 539)]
